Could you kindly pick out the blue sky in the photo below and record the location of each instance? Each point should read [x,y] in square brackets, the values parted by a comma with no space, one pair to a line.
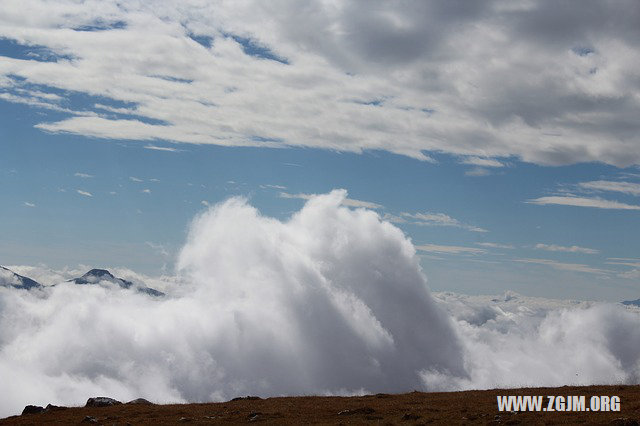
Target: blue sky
[511,163]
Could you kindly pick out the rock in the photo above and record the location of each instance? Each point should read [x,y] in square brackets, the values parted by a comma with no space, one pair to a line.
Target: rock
[184,419]
[246,398]
[140,401]
[102,401]
[51,407]
[89,419]
[32,409]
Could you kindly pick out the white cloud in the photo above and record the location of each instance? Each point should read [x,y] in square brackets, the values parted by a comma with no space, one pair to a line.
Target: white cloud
[135,179]
[482,162]
[146,191]
[332,300]
[434,248]
[583,202]
[439,219]
[570,249]
[280,187]
[410,78]
[85,193]
[162,148]
[83,175]
[573,267]
[328,301]
[496,245]
[28,204]
[346,202]
[515,341]
[393,218]
[612,186]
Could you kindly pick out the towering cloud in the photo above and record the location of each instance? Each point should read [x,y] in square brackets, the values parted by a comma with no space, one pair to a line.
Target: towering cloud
[332,300]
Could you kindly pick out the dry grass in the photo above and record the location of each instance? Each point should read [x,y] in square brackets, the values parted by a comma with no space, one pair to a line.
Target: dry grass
[469,407]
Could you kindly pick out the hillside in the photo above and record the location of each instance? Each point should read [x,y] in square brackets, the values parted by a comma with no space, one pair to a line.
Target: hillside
[468,407]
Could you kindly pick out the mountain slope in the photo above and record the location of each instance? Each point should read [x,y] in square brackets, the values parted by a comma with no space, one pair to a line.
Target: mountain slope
[8,278]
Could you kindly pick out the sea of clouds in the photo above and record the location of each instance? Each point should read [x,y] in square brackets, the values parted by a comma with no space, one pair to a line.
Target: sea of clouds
[330,301]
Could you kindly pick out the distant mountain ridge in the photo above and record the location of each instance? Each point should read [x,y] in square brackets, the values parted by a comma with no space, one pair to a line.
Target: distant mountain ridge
[8,278]
[632,302]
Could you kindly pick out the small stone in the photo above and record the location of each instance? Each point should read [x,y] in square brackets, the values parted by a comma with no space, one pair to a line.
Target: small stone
[89,419]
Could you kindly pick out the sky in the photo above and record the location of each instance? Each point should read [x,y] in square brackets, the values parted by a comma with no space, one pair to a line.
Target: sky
[500,137]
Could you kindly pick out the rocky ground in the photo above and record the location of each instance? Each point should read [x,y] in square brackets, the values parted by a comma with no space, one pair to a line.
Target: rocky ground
[469,407]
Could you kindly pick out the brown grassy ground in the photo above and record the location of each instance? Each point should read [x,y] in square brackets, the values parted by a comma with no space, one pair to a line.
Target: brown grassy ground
[469,407]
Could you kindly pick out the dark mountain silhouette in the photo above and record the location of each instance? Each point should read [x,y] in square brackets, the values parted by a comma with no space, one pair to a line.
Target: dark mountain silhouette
[632,302]
[8,278]
[96,276]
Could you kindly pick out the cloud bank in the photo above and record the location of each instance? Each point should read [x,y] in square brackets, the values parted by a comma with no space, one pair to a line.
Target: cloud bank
[330,301]
[542,82]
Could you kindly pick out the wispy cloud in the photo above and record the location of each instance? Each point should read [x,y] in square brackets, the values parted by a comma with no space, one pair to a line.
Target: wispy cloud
[439,219]
[482,162]
[569,249]
[162,148]
[135,179]
[624,261]
[435,248]
[269,186]
[346,202]
[85,193]
[27,204]
[393,218]
[159,248]
[146,191]
[612,186]
[598,203]
[477,172]
[83,175]
[574,267]
[496,245]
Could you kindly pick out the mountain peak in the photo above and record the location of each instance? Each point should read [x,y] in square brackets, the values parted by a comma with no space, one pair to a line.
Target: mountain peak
[95,276]
[99,273]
